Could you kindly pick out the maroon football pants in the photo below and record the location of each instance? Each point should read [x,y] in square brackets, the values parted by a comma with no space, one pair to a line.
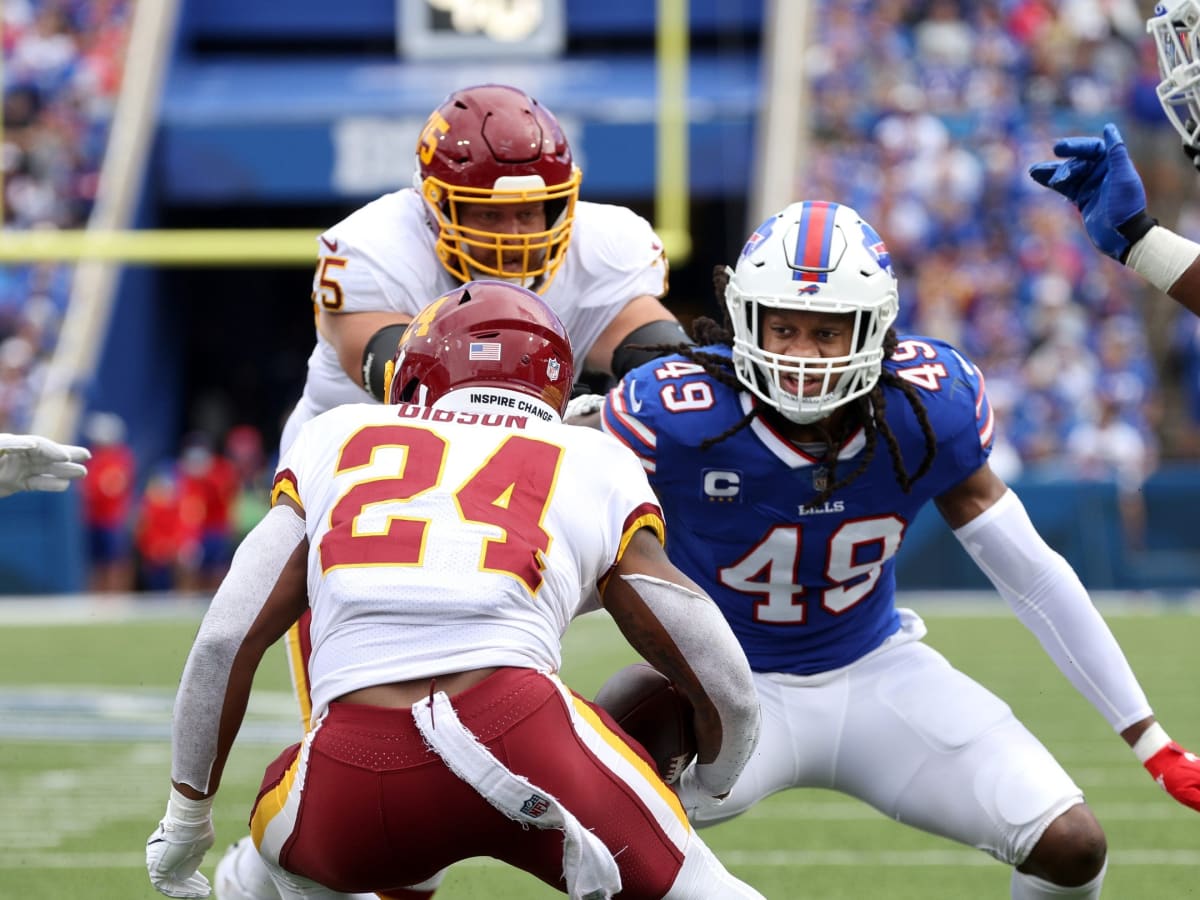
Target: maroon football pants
[380,810]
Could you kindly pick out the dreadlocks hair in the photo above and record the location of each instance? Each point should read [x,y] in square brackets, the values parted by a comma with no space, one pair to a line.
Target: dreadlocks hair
[869,411]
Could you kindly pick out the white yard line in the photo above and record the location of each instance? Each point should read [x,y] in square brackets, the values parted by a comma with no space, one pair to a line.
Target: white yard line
[78,609]
[100,609]
[43,809]
[106,609]
[68,714]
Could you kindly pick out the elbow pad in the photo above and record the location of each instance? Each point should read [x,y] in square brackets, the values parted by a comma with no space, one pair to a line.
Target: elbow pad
[1050,600]
[380,350]
[707,642]
[632,352]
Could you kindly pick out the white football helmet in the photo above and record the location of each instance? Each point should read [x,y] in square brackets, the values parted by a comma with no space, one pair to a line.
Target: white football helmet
[1175,27]
[821,257]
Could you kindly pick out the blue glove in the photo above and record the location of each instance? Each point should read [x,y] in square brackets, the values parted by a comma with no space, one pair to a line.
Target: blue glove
[1098,177]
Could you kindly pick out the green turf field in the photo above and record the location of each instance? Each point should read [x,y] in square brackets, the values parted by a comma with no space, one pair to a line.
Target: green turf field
[84,765]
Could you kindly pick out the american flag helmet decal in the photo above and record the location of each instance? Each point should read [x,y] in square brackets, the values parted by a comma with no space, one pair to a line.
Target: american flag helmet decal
[484,350]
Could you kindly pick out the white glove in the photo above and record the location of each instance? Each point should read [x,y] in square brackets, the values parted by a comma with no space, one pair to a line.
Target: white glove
[693,796]
[177,847]
[583,405]
[29,462]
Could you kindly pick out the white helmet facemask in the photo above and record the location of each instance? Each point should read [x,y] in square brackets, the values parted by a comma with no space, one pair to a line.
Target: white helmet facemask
[818,257]
[1175,27]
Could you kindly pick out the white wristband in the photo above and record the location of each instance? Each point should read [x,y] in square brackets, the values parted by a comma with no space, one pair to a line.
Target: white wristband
[1162,256]
[187,811]
[1152,740]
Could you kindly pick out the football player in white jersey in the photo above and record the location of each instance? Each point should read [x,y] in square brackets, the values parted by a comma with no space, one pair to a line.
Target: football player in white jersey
[495,195]
[1097,175]
[30,462]
[797,443]
[440,545]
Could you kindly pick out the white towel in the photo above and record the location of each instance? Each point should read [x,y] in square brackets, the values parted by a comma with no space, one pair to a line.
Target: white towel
[590,871]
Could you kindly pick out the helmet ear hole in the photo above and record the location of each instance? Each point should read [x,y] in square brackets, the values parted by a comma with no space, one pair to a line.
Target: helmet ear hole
[409,390]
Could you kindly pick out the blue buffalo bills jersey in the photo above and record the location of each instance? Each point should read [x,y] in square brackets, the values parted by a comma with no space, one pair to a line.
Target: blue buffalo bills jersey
[806,589]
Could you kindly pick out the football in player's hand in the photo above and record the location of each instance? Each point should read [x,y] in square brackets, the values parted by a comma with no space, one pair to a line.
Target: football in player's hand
[652,711]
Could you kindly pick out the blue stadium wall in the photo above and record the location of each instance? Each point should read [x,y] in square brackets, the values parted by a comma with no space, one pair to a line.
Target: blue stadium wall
[1080,520]
[272,125]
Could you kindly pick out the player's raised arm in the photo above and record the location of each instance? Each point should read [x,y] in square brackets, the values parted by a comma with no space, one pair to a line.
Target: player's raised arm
[1097,175]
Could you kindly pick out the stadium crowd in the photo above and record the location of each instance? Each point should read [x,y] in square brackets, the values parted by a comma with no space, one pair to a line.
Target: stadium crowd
[62,69]
[929,135]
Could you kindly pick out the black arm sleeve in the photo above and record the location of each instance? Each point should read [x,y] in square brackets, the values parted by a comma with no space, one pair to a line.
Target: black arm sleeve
[631,352]
[379,351]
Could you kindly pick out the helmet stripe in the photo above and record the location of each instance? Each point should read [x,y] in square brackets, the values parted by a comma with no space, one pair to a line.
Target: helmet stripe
[813,240]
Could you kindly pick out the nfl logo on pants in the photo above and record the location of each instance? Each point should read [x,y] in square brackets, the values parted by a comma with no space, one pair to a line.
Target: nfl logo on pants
[535,807]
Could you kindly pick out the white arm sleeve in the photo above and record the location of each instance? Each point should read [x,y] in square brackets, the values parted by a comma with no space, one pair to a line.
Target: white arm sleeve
[704,637]
[256,567]
[1051,601]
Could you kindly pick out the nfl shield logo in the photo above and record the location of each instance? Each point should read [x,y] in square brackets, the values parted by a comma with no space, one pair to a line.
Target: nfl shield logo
[552,370]
[536,806]
[820,476]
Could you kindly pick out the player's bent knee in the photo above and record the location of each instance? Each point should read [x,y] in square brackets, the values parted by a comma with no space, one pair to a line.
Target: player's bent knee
[1071,851]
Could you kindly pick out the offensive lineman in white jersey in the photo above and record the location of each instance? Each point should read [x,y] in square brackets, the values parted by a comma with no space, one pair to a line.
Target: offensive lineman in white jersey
[440,545]
[495,195]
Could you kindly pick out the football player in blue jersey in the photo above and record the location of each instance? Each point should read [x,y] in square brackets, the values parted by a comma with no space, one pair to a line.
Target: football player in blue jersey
[1096,174]
[791,448]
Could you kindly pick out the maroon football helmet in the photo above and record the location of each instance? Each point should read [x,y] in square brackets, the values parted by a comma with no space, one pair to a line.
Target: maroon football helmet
[484,334]
[495,145]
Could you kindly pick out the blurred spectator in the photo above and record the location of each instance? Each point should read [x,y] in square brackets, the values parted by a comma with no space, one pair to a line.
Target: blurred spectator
[108,494]
[16,372]
[1106,447]
[943,38]
[906,128]
[1186,358]
[161,538]
[244,448]
[208,486]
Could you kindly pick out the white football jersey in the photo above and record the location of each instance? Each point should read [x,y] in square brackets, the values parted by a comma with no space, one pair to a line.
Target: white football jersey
[382,258]
[454,537]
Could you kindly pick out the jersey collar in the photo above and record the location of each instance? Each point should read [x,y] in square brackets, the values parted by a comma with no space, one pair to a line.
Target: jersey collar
[787,452]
